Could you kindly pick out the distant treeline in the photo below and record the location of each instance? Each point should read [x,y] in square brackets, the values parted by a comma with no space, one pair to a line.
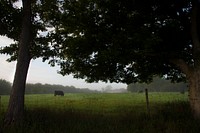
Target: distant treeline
[158,85]
[5,87]
[38,88]
[48,88]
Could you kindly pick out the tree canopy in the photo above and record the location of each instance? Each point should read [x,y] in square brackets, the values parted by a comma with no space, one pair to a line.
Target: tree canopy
[45,16]
[116,41]
[125,41]
[10,20]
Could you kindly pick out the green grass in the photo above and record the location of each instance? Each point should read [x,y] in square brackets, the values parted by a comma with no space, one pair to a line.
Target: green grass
[105,113]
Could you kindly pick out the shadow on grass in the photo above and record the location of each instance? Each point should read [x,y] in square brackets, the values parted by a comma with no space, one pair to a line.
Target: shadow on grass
[173,117]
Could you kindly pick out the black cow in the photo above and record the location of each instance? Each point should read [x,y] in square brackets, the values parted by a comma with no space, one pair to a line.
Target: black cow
[59,93]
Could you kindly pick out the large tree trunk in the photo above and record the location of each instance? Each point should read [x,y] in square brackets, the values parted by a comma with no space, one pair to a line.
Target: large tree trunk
[16,103]
[194,78]
[192,71]
[194,93]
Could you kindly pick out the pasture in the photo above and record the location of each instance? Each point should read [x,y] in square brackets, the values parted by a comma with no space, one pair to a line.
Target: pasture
[104,113]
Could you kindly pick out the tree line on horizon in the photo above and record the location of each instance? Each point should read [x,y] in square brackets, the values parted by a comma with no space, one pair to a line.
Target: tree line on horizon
[38,88]
[158,85]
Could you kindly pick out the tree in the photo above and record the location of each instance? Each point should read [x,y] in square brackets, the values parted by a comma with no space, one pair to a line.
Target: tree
[16,102]
[5,87]
[28,22]
[129,41]
[158,85]
[107,88]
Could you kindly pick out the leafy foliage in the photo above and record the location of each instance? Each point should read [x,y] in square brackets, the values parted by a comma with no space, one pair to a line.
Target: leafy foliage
[44,14]
[124,41]
[116,41]
[10,20]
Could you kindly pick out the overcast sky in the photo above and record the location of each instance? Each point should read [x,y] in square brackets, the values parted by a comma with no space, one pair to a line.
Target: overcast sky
[41,72]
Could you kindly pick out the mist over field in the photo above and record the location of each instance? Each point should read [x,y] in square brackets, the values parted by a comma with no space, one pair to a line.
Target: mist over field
[157,85]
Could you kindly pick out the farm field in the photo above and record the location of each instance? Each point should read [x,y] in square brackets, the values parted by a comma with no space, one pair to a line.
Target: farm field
[104,113]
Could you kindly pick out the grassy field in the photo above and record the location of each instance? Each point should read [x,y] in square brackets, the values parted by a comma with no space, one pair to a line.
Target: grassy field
[104,113]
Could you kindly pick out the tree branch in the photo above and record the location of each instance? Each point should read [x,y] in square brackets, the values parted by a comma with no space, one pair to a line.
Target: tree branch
[185,68]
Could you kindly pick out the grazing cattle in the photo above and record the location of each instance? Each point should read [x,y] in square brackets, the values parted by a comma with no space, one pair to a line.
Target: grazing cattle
[59,93]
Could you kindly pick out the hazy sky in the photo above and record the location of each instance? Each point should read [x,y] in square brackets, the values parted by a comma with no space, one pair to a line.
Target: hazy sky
[41,72]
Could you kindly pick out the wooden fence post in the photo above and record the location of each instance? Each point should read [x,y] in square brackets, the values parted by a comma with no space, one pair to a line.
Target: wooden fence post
[0,103]
[147,101]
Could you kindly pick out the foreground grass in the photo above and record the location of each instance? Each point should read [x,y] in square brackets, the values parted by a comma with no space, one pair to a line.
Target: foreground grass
[105,113]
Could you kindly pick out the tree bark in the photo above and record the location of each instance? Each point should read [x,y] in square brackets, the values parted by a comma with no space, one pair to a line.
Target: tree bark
[194,93]
[15,109]
[194,79]
[193,71]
